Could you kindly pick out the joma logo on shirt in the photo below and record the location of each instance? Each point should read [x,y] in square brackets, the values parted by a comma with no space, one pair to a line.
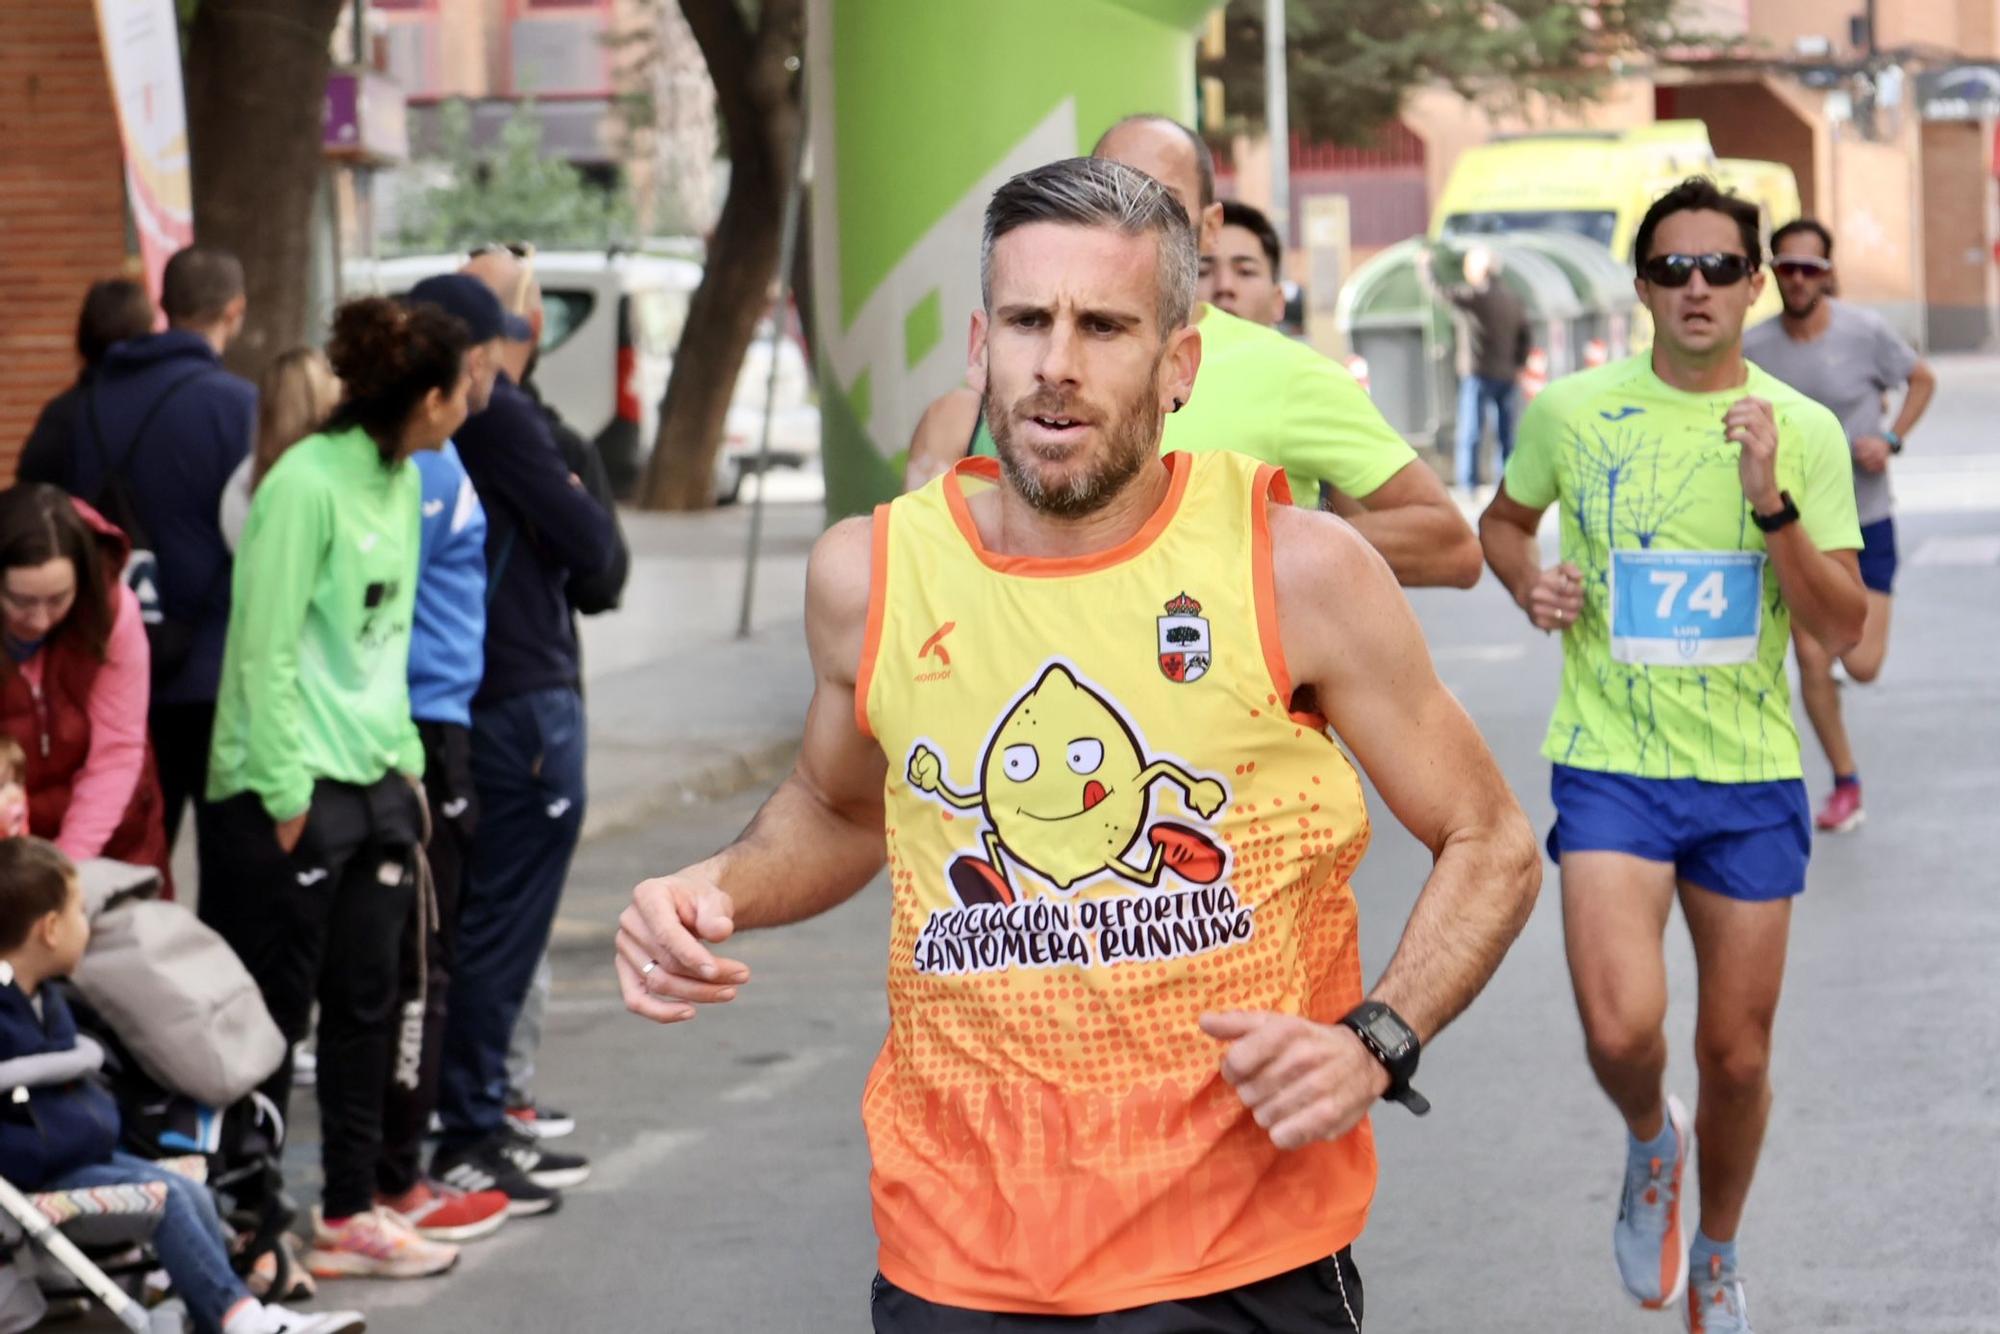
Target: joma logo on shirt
[934,648]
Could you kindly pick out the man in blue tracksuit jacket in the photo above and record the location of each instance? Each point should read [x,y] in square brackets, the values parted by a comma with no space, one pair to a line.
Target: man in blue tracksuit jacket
[527,756]
[165,412]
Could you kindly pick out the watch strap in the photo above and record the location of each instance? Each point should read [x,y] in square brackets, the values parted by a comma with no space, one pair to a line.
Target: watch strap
[1788,513]
[1401,1066]
[1895,441]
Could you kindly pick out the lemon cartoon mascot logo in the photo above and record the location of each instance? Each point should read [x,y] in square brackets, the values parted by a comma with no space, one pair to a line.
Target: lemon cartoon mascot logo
[1065,790]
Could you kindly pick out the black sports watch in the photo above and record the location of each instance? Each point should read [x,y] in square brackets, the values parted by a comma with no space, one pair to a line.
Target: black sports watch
[1771,523]
[1895,441]
[1393,1043]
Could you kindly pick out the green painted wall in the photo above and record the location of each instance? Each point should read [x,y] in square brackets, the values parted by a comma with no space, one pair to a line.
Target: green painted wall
[916,104]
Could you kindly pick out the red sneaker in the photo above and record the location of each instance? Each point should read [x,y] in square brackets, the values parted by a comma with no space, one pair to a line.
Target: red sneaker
[1842,813]
[439,1213]
[1192,856]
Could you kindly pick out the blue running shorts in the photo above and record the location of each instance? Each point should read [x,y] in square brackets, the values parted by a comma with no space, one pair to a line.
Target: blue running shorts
[1878,555]
[1748,841]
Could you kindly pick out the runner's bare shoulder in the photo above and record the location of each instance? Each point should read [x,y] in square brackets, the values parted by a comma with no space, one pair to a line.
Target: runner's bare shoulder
[837,584]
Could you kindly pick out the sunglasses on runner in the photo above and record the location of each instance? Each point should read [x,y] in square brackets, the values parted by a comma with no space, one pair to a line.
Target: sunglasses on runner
[1717,270]
[1801,266]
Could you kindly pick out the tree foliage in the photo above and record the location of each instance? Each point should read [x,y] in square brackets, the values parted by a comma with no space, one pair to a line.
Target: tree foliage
[1350,62]
[512,192]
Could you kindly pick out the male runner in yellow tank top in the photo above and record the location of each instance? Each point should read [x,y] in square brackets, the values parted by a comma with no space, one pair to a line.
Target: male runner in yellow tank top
[1264,395]
[1077,697]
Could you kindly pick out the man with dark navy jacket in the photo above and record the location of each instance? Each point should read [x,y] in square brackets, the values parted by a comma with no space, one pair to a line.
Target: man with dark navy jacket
[543,528]
[165,415]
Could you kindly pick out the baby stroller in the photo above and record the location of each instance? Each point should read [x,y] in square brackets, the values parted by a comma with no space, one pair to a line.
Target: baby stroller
[186,1042]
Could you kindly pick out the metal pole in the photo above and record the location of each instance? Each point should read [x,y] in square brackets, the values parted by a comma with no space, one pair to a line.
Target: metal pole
[1277,118]
[788,242]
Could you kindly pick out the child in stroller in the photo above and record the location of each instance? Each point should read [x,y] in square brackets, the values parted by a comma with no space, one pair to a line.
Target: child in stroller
[64,1133]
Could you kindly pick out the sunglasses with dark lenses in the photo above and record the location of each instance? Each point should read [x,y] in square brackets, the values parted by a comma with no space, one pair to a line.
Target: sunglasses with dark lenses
[1717,270]
[1800,266]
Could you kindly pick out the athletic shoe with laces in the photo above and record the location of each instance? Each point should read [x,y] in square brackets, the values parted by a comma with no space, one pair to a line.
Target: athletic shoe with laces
[543,1122]
[543,1166]
[482,1167]
[444,1213]
[374,1244]
[278,1320]
[1652,1252]
[1715,1301]
[1842,813]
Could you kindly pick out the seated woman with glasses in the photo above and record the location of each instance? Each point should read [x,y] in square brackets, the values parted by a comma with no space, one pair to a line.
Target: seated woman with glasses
[76,678]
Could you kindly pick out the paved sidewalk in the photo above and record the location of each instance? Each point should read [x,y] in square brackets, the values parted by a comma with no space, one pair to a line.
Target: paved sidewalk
[680,709]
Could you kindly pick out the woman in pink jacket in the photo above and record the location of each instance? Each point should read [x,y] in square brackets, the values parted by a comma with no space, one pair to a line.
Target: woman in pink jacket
[75,679]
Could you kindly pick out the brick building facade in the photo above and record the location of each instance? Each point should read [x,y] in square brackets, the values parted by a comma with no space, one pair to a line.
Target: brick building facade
[62,199]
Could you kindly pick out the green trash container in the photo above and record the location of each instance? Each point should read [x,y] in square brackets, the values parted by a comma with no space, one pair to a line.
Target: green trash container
[1602,331]
[1400,340]
[1406,340]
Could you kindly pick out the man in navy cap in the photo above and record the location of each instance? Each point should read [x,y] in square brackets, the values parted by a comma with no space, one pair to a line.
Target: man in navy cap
[492,326]
[527,759]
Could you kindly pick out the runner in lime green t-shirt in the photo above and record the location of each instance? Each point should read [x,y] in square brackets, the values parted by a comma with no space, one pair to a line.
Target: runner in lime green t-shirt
[1262,394]
[1705,508]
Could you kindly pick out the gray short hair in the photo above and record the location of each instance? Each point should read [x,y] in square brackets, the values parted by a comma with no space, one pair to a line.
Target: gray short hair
[1095,192]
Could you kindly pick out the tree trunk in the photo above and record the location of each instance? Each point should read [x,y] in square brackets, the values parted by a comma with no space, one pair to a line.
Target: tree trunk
[256,79]
[757,91]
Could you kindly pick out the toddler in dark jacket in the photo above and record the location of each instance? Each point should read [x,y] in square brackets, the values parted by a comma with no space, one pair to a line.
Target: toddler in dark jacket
[59,1125]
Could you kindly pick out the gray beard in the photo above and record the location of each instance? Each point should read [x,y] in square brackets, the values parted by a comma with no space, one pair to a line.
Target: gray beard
[1134,439]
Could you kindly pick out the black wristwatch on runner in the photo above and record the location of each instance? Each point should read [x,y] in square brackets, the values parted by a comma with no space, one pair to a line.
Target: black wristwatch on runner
[1393,1043]
[1771,523]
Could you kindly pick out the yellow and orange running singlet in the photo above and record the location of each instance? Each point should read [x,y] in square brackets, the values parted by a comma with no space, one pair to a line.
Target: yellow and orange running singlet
[1103,821]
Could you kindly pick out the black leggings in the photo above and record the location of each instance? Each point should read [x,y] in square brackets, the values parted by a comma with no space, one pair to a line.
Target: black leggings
[326,922]
[413,1078]
[1320,1298]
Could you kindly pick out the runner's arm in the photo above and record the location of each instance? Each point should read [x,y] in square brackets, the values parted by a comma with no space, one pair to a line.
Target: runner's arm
[815,843]
[1552,597]
[943,436]
[1412,521]
[1814,558]
[1333,431]
[1923,385]
[1371,675]
[1823,588]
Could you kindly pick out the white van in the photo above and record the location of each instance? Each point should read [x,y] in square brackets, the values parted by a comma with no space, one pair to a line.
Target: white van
[611,323]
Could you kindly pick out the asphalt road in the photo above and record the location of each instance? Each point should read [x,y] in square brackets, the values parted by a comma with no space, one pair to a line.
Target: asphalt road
[730,1185]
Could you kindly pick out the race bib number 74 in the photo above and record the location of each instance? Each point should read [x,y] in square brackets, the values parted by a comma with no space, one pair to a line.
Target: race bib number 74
[1685,608]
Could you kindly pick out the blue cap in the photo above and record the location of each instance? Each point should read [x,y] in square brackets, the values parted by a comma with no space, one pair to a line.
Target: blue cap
[473,301]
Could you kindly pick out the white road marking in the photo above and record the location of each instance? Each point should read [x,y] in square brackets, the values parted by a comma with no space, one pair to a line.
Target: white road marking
[1978,550]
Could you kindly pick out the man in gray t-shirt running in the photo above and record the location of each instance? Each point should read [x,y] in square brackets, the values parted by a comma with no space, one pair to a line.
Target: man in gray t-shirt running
[1848,359]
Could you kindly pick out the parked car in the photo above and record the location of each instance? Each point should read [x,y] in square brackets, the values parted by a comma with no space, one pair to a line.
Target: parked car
[611,324]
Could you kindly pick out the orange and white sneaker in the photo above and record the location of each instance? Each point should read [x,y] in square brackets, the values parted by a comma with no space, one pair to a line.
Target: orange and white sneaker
[1652,1250]
[438,1212]
[1716,1304]
[375,1244]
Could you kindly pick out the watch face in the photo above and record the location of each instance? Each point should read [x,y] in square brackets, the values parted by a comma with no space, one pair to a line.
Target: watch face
[1387,1034]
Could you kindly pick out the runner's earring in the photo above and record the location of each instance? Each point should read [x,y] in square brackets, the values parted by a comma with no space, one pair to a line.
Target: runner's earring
[1177,405]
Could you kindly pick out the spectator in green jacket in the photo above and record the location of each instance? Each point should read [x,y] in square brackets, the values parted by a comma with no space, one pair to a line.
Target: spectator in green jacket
[316,762]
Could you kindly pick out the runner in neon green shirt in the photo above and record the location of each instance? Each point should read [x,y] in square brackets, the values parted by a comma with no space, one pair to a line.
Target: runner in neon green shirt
[1642,470]
[1268,396]
[1705,508]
